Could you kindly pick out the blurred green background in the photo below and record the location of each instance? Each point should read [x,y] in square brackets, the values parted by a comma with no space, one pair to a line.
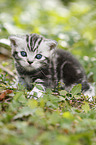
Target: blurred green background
[53,119]
[71,22]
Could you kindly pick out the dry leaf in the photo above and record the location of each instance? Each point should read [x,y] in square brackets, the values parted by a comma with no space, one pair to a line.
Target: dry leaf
[4,94]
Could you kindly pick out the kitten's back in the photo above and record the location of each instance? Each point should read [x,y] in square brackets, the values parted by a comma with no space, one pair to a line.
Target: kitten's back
[70,70]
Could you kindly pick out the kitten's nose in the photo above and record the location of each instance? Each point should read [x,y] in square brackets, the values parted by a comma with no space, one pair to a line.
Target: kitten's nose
[29,61]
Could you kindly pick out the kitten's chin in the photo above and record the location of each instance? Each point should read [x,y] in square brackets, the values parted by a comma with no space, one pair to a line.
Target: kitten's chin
[29,68]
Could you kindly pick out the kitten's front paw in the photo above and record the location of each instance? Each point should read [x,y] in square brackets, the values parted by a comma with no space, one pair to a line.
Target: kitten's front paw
[35,93]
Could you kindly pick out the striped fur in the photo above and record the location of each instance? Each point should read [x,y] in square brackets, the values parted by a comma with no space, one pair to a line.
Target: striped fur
[33,41]
[55,66]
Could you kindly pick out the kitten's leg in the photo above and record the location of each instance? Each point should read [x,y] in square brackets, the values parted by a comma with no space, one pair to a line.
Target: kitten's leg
[19,80]
[36,90]
[15,84]
[90,92]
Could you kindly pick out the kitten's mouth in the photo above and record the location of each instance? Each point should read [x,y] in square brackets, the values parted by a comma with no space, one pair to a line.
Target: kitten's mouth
[29,66]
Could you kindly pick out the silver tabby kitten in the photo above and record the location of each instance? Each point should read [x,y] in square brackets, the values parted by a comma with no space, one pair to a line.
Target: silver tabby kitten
[38,61]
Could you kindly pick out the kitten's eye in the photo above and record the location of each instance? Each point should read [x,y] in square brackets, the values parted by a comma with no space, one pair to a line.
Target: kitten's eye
[38,56]
[23,53]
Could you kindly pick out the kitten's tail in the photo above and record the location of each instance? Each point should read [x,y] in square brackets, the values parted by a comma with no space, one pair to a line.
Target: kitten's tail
[90,92]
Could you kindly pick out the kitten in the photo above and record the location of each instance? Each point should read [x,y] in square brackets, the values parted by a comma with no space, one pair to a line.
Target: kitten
[38,61]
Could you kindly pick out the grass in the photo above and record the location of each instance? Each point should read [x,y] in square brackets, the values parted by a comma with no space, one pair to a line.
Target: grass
[63,118]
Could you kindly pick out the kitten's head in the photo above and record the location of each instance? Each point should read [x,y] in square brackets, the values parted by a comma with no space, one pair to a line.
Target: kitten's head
[32,51]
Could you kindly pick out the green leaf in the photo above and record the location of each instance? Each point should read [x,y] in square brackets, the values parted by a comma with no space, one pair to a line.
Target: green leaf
[32,103]
[42,102]
[76,89]
[39,87]
[39,112]
[26,111]
[63,92]
[18,95]
[67,115]
[86,107]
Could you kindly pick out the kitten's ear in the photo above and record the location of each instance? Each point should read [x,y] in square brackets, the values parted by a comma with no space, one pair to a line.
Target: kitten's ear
[51,43]
[14,40]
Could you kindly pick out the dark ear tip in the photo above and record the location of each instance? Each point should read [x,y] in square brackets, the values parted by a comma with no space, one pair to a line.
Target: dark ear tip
[12,40]
[53,44]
